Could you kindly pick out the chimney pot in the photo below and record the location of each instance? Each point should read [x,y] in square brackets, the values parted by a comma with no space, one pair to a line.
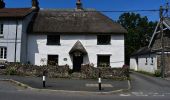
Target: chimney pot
[79,5]
[2,4]
[35,4]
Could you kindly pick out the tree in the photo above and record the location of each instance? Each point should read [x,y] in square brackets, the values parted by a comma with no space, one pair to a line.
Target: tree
[139,33]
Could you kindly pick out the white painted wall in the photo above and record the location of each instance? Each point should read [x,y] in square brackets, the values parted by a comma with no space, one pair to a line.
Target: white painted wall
[8,38]
[37,49]
[133,64]
[24,37]
[9,35]
[149,67]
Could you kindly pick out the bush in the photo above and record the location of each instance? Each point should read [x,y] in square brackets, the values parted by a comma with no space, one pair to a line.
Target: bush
[158,73]
[11,71]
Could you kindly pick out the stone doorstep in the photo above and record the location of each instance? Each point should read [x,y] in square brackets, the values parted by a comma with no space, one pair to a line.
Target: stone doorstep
[97,85]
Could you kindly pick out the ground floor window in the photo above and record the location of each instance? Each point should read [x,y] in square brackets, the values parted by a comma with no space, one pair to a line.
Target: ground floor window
[103,60]
[3,53]
[52,59]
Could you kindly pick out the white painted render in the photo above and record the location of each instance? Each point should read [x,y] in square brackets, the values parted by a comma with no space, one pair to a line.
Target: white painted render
[133,64]
[38,50]
[143,65]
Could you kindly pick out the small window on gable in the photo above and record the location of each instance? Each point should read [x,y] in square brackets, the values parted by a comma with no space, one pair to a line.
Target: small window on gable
[53,60]
[53,40]
[103,60]
[103,39]
[151,60]
[1,28]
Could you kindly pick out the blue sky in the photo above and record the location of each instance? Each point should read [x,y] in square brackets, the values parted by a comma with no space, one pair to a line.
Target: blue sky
[99,5]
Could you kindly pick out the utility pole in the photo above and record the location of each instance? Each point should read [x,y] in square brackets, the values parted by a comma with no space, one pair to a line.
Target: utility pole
[162,44]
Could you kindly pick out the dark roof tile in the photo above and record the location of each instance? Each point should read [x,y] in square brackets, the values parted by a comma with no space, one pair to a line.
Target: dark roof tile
[14,12]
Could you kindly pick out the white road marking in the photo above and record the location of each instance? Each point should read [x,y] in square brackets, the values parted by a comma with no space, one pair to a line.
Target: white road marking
[124,95]
[96,85]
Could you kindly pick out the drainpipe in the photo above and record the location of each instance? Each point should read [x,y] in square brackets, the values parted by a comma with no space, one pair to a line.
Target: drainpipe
[16,41]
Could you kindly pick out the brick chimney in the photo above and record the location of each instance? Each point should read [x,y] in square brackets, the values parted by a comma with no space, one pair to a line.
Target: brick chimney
[79,5]
[2,4]
[35,4]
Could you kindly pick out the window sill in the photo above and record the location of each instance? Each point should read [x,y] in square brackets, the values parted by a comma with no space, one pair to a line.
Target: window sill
[53,44]
[1,36]
[103,44]
[3,60]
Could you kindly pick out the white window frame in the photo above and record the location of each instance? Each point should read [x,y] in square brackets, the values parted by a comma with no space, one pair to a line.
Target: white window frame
[3,54]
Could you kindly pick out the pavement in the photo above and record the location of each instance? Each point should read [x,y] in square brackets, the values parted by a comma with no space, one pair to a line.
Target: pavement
[70,84]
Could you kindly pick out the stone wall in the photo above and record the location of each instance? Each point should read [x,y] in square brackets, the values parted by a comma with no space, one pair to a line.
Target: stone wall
[87,71]
[32,70]
[106,73]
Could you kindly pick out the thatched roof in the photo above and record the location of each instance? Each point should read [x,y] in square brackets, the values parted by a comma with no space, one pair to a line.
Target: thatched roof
[78,47]
[14,12]
[72,21]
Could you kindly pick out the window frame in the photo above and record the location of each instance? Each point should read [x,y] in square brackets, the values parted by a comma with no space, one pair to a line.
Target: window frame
[4,53]
[98,62]
[56,39]
[106,43]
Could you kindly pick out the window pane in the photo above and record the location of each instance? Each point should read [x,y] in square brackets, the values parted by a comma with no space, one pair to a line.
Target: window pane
[1,29]
[103,39]
[53,59]
[5,53]
[1,53]
[103,61]
[53,40]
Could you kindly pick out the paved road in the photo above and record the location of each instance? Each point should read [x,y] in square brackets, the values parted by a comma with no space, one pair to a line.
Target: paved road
[143,88]
[143,85]
[30,95]
[70,84]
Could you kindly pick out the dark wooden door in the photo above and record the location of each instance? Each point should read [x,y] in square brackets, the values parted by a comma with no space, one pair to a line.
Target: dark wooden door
[77,61]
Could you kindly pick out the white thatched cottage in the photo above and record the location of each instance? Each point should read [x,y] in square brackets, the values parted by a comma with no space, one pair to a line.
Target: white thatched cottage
[74,37]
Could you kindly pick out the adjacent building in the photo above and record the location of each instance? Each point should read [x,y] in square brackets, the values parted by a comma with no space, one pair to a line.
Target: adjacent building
[149,58]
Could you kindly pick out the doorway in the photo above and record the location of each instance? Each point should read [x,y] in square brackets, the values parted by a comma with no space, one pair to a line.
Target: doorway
[77,62]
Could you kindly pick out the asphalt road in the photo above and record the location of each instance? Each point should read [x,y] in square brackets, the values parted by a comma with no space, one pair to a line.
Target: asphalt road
[143,88]
[143,85]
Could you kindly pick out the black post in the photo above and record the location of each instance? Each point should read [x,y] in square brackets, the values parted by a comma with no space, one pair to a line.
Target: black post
[44,73]
[99,80]
[162,44]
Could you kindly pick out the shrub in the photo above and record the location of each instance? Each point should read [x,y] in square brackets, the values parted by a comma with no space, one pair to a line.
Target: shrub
[11,71]
[158,73]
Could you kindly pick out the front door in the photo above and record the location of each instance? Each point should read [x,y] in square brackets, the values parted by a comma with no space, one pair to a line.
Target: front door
[77,61]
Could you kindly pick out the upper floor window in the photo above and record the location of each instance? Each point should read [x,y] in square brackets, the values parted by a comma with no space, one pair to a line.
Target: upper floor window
[3,52]
[103,39]
[53,40]
[1,28]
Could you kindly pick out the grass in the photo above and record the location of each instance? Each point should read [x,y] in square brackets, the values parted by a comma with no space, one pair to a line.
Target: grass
[146,73]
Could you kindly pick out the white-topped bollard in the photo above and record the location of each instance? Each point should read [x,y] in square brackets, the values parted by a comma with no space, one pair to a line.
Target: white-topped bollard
[100,81]
[44,72]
